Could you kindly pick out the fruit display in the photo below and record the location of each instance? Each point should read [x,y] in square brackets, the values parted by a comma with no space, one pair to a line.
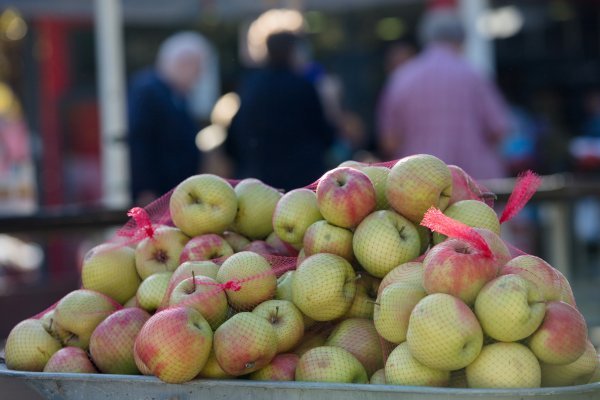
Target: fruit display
[393,273]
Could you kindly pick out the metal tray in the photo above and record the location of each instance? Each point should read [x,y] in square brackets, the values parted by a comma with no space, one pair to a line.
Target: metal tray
[103,386]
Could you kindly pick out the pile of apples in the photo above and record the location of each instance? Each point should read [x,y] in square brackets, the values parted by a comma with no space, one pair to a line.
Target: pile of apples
[379,275]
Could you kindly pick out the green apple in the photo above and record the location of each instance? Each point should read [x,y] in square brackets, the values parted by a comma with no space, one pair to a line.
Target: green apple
[281,368]
[509,308]
[401,368]
[549,280]
[80,312]
[410,272]
[185,271]
[385,240]
[473,213]
[255,276]
[393,309]
[205,296]
[161,252]
[205,247]
[284,286]
[378,378]
[174,344]
[203,204]
[352,164]
[562,336]
[70,360]
[323,237]
[245,343]
[132,302]
[378,176]
[330,364]
[504,365]
[236,241]
[286,319]
[443,333]
[29,346]
[256,204]
[294,213]
[153,290]
[110,269]
[324,286]
[111,344]
[578,372]
[359,337]
[212,369]
[416,183]
[364,299]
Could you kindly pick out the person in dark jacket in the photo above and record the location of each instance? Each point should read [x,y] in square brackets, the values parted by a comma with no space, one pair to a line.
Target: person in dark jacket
[162,130]
[280,134]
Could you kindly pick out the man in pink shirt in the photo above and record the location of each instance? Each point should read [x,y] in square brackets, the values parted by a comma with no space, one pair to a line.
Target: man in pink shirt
[438,104]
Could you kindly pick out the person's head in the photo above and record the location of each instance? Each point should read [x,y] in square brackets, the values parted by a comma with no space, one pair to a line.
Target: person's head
[282,49]
[442,26]
[179,59]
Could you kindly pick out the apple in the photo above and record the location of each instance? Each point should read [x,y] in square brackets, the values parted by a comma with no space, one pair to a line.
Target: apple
[364,299]
[345,196]
[416,183]
[143,368]
[70,360]
[245,343]
[456,267]
[393,309]
[281,368]
[301,257]
[153,290]
[80,312]
[562,336]
[324,286]
[161,252]
[110,269]
[385,240]
[409,272]
[509,308]
[464,187]
[284,286]
[548,279]
[323,237]
[473,213]
[359,337]
[131,303]
[401,368]
[186,270]
[111,344]
[378,176]
[203,204]
[205,247]
[294,213]
[29,346]
[256,204]
[261,247]
[51,326]
[283,248]
[236,241]
[330,364]
[175,344]
[578,372]
[504,365]
[205,296]
[352,164]
[286,319]
[255,276]
[425,237]
[596,375]
[314,337]
[212,369]
[378,378]
[443,333]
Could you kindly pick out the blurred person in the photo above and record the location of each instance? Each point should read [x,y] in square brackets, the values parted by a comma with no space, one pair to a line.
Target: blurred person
[280,134]
[162,130]
[438,104]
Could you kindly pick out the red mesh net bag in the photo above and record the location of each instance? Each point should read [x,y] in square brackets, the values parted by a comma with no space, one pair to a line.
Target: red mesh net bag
[390,273]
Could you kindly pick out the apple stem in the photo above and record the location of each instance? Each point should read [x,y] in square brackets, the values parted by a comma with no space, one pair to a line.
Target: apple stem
[275,318]
[250,364]
[357,277]
[69,338]
[372,302]
[194,280]
[50,324]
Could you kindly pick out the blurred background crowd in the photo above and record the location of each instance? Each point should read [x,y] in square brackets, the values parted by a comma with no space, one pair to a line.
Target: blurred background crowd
[108,104]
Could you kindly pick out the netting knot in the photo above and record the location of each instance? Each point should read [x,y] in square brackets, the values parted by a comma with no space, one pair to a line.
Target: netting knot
[231,285]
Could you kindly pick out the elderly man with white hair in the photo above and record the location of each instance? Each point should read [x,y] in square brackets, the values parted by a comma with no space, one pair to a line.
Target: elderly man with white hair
[161,128]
